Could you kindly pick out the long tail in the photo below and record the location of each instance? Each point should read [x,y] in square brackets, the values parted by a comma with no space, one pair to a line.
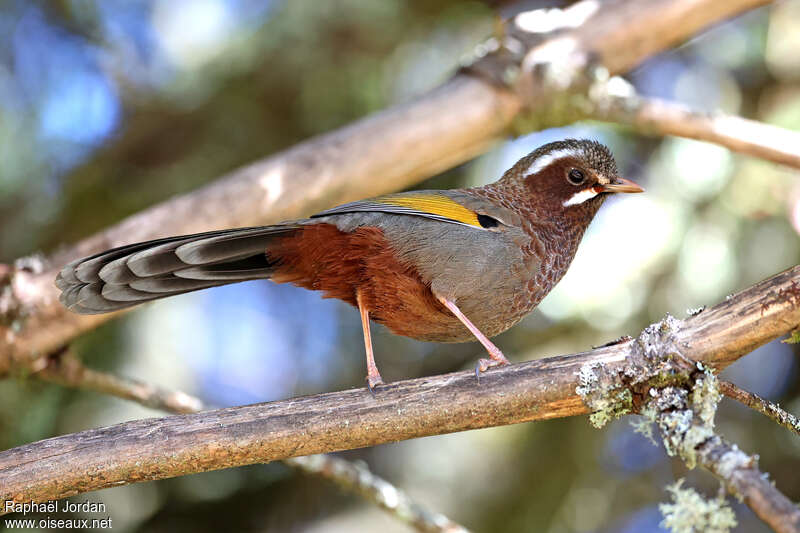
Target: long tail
[136,273]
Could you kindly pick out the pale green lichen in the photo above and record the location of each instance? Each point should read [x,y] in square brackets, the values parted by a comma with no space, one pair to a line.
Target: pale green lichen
[681,433]
[610,407]
[696,436]
[643,425]
[706,395]
[686,418]
[681,436]
[670,406]
[794,337]
[607,402]
[690,512]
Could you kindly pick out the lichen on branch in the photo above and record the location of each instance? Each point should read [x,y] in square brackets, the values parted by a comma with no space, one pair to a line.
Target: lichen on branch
[690,512]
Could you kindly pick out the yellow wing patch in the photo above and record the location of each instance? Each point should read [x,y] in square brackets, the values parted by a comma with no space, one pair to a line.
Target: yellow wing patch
[433,204]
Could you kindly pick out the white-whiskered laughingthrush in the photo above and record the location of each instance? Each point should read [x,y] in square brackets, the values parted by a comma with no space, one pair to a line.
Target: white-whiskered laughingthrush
[443,266]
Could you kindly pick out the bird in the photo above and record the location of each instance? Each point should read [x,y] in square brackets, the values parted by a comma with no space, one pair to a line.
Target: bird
[436,265]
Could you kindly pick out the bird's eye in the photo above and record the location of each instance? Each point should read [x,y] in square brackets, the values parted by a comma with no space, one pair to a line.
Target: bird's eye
[576,176]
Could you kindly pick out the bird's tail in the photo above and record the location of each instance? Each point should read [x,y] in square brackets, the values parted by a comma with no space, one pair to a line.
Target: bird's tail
[136,273]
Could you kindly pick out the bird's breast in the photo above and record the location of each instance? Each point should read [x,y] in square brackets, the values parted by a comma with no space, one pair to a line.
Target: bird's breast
[486,273]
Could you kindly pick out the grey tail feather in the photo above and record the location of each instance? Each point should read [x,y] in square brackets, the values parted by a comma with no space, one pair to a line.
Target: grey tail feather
[137,273]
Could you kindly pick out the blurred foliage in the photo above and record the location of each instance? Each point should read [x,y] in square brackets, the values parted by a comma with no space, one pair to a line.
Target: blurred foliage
[109,107]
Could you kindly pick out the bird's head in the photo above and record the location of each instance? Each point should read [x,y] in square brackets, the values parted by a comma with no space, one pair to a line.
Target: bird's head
[570,178]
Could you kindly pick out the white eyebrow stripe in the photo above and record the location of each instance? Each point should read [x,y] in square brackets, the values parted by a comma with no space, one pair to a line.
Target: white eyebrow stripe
[581,196]
[545,160]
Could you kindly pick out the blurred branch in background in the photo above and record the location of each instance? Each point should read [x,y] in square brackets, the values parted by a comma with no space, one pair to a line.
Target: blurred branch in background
[441,129]
[67,370]
[357,477]
[611,381]
[651,116]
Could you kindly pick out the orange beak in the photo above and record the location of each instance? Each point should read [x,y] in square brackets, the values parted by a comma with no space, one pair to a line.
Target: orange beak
[622,185]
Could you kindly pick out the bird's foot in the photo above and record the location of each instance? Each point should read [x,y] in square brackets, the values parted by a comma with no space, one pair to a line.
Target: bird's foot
[373,380]
[485,364]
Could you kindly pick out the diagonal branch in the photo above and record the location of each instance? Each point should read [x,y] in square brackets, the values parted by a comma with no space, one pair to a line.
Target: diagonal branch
[661,117]
[742,477]
[356,477]
[159,448]
[686,423]
[755,402]
[67,370]
[442,128]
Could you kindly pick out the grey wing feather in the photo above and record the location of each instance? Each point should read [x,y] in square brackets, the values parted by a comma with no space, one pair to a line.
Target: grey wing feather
[136,273]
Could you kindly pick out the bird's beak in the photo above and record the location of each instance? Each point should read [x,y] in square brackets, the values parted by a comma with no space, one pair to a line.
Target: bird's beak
[622,185]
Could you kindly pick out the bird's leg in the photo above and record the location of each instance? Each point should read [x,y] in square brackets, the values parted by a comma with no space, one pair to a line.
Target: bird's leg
[496,356]
[373,376]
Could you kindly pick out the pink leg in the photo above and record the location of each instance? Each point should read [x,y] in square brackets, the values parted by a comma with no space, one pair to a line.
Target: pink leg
[373,376]
[496,356]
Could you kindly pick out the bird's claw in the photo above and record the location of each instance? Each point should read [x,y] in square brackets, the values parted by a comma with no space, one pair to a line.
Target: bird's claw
[485,364]
[372,382]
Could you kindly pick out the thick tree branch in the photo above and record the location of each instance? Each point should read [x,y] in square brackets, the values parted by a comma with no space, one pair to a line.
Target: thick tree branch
[160,448]
[442,128]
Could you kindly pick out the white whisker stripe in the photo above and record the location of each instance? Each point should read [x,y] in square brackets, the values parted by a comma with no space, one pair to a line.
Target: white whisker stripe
[544,161]
[581,196]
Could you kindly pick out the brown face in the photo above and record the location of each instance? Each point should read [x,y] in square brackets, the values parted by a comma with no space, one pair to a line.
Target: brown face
[573,177]
[566,182]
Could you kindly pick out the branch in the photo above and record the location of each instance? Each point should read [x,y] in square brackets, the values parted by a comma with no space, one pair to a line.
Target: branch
[65,369]
[442,128]
[756,403]
[744,480]
[159,448]
[686,425]
[660,117]
[356,477]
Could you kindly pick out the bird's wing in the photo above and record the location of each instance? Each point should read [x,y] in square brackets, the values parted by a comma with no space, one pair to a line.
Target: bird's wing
[128,275]
[445,206]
